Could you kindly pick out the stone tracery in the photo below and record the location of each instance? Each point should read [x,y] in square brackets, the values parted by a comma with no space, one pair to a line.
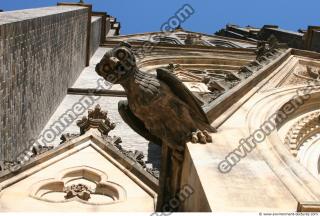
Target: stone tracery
[73,185]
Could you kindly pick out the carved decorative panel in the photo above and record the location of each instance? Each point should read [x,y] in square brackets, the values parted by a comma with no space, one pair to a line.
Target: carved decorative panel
[300,72]
[83,184]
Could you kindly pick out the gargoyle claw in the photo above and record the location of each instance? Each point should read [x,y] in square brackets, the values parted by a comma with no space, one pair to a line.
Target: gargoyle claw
[201,137]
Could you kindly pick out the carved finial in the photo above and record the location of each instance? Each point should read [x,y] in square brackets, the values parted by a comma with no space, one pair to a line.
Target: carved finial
[97,119]
[97,113]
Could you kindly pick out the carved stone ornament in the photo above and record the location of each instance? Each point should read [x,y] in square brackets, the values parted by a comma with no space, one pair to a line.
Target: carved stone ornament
[314,73]
[12,165]
[154,172]
[265,53]
[217,82]
[80,184]
[303,75]
[302,130]
[77,190]
[67,137]
[262,49]
[96,119]
[40,150]
[193,39]
[6,165]
[160,108]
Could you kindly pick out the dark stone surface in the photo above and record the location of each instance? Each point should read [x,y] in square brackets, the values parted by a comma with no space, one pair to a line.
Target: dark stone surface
[315,45]
[301,39]
[293,39]
[312,41]
[43,54]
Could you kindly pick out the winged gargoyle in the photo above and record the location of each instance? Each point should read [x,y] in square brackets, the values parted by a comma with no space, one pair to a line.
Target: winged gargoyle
[159,107]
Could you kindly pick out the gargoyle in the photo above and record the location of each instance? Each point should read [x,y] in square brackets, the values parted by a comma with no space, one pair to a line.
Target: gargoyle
[159,107]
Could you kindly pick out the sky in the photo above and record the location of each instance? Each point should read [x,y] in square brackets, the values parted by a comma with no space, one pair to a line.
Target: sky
[138,16]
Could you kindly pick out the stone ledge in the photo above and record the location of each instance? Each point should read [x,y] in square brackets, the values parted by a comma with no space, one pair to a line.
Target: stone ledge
[308,207]
[21,15]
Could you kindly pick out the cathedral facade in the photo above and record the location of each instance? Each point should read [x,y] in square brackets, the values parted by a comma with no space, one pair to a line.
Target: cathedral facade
[65,147]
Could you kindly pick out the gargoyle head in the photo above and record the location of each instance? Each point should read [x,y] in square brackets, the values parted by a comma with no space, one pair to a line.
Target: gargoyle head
[117,64]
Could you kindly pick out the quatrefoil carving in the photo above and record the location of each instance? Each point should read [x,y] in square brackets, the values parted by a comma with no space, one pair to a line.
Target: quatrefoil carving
[83,184]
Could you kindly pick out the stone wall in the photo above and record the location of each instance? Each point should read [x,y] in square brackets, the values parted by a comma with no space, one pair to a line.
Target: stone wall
[42,51]
[293,39]
[313,38]
[95,37]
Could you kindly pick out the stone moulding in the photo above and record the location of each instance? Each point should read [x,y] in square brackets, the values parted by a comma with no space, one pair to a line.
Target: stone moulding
[103,187]
[7,166]
[97,119]
[218,106]
[131,168]
[301,131]
[115,40]
[308,207]
[296,178]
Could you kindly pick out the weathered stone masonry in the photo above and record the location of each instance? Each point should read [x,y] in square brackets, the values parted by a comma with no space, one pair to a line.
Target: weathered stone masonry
[42,52]
[95,36]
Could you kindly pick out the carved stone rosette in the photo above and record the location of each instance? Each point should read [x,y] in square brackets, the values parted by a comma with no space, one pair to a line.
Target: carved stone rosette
[80,190]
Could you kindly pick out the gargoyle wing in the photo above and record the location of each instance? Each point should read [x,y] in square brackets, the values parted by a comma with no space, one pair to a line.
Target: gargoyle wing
[179,89]
[135,123]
